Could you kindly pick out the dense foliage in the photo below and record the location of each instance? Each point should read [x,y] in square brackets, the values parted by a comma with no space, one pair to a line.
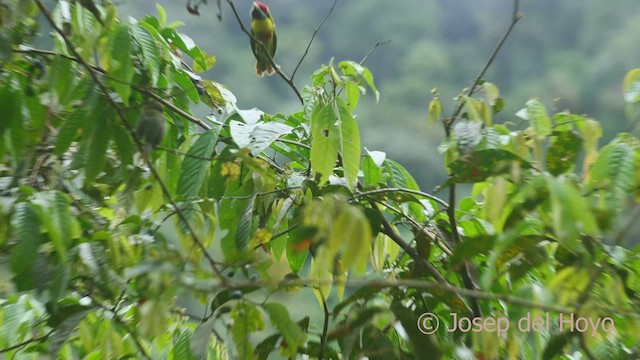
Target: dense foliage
[197,250]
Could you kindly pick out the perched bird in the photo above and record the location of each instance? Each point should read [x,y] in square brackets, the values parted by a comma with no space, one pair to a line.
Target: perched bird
[151,127]
[263,28]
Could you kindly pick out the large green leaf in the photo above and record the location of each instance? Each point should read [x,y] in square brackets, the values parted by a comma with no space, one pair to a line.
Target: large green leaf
[245,225]
[120,66]
[194,166]
[27,228]
[325,141]
[97,144]
[615,170]
[290,331]
[563,151]
[246,319]
[536,113]
[481,164]
[69,130]
[149,48]
[631,86]
[349,143]
[201,338]
[568,214]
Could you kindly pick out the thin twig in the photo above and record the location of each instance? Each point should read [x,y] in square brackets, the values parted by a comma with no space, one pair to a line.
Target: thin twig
[388,230]
[125,121]
[427,285]
[27,342]
[279,71]
[325,327]
[403,190]
[634,123]
[435,239]
[377,45]
[306,51]
[517,15]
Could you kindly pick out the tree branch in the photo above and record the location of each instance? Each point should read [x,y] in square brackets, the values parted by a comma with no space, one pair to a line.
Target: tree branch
[377,45]
[27,342]
[517,15]
[403,190]
[306,51]
[325,327]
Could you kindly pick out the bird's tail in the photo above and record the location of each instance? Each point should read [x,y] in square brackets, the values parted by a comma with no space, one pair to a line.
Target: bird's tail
[264,68]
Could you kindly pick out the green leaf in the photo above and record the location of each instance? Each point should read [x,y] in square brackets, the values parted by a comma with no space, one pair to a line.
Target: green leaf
[17,125]
[569,215]
[120,66]
[481,164]
[186,84]
[399,176]
[264,348]
[291,332]
[349,143]
[536,113]
[563,151]
[372,164]
[69,130]
[194,166]
[245,225]
[246,319]
[181,348]
[351,232]
[162,15]
[555,345]
[199,341]
[64,330]
[424,346]
[61,80]
[10,106]
[27,228]
[435,110]
[363,72]
[615,169]
[468,135]
[325,141]
[491,93]
[149,48]
[631,86]
[97,143]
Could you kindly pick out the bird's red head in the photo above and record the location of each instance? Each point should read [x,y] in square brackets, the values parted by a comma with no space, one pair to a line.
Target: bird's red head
[260,10]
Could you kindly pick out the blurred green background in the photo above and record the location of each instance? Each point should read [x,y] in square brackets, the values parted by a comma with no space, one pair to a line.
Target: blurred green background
[573,55]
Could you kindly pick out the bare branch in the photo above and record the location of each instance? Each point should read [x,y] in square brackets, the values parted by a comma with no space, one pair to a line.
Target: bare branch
[306,51]
[377,45]
[325,327]
[27,342]
[517,15]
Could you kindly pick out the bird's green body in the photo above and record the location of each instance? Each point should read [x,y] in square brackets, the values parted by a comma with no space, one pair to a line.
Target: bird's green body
[263,29]
[151,127]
